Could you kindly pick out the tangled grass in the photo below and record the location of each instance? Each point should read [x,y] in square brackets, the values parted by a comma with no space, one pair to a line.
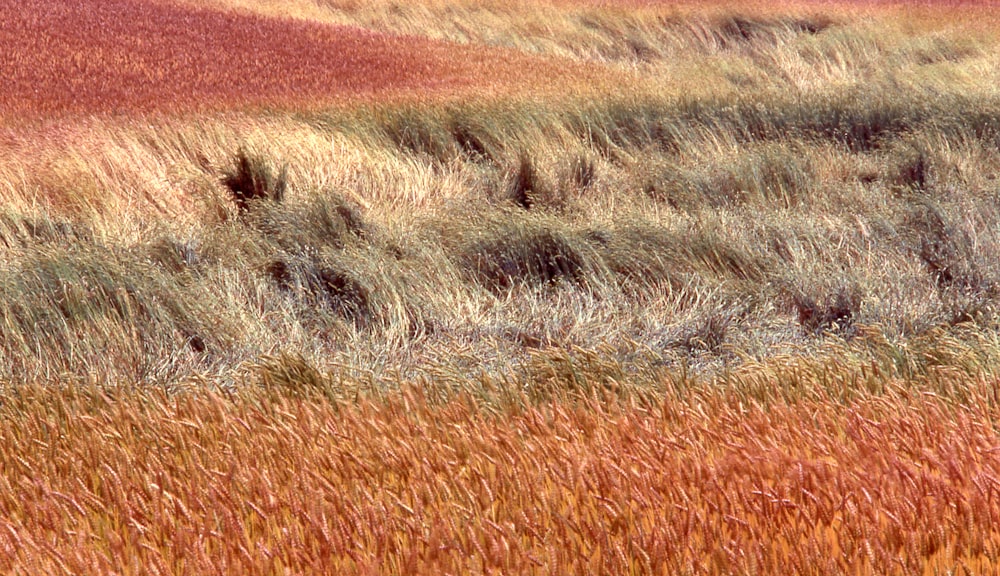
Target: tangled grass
[696,288]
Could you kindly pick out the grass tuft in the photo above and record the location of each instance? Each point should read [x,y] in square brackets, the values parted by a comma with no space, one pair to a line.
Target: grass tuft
[526,187]
[252,179]
[836,312]
[947,251]
[516,252]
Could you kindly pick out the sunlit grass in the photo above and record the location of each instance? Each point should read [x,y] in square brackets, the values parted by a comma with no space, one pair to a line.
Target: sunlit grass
[322,473]
[541,287]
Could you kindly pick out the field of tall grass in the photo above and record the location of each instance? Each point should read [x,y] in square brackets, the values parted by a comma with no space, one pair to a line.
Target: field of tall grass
[456,286]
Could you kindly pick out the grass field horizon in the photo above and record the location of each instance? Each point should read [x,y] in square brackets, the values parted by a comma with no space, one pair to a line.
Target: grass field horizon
[457,286]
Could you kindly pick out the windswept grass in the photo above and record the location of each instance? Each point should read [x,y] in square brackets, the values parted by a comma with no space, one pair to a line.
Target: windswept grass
[801,465]
[608,221]
[100,57]
[542,286]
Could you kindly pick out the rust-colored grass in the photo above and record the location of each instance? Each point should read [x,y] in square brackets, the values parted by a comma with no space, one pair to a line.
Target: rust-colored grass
[98,56]
[704,482]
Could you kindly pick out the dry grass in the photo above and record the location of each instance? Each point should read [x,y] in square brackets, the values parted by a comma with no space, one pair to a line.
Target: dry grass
[559,287]
[314,474]
[124,56]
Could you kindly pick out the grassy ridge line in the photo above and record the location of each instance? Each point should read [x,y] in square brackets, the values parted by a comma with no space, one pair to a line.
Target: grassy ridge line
[699,480]
[627,31]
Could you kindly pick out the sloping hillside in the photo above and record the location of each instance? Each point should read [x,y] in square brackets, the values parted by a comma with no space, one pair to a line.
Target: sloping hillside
[88,56]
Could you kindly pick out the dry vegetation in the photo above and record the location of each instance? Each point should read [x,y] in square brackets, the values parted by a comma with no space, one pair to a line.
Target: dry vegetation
[541,286]
[798,466]
[121,56]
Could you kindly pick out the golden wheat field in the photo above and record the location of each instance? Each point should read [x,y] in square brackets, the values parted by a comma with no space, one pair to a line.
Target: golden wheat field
[499,287]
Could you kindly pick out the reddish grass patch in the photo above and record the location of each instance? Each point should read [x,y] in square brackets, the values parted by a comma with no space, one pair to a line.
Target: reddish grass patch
[93,56]
[902,483]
